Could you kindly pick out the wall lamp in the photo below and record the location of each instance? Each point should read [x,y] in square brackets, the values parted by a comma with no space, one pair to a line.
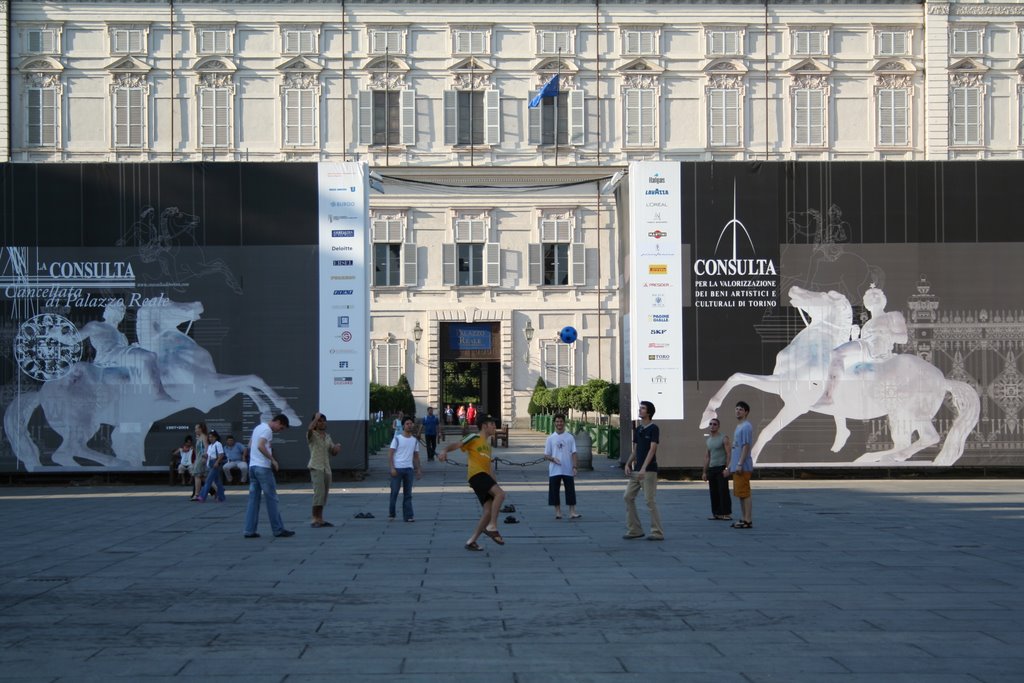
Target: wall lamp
[417,331]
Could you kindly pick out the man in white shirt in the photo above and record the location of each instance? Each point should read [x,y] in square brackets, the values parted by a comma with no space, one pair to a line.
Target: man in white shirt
[262,466]
[405,459]
[560,452]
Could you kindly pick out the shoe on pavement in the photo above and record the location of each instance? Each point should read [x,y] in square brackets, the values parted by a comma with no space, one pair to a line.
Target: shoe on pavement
[285,534]
[252,535]
[630,537]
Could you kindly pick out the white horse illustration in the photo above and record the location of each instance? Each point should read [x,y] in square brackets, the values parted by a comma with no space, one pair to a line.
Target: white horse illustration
[89,396]
[905,388]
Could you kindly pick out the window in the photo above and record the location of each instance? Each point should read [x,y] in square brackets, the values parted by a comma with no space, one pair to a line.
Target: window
[387,117]
[724,117]
[564,116]
[471,117]
[386,41]
[210,41]
[387,362]
[41,41]
[809,42]
[129,112]
[967,41]
[214,117]
[557,261]
[891,43]
[640,116]
[394,260]
[639,41]
[809,117]
[892,117]
[556,364]
[299,116]
[299,41]
[469,41]
[471,260]
[724,43]
[127,41]
[553,42]
[966,116]
[42,117]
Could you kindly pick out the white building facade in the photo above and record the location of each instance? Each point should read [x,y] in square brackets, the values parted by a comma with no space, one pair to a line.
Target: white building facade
[492,211]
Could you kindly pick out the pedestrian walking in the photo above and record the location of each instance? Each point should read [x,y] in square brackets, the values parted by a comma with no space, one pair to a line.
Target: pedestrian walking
[560,452]
[430,425]
[321,448]
[741,465]
[262,483]
[646,438]
[716,459]
[404,455]
[215,459]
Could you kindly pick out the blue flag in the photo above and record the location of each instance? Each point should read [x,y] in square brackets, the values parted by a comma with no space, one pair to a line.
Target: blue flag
[550,89]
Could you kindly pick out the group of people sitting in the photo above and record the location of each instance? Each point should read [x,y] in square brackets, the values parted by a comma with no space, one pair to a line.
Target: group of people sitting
[208,463]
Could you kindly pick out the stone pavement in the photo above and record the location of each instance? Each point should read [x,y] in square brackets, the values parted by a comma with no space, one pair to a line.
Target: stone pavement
[838,582]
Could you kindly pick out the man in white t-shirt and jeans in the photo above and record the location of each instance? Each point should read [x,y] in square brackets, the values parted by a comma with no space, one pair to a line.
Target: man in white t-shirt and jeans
[560,452]
[405,460]
[262,466]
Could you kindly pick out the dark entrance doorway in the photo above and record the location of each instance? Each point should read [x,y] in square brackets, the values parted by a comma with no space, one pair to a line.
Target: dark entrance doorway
[471,367]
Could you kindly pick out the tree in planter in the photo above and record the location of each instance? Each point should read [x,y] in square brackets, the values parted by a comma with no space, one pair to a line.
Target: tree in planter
[606,401]
[536,406]
[571,399]
[589,392]
[403,396]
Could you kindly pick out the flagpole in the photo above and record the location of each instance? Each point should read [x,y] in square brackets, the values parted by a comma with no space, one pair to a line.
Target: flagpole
[558,75]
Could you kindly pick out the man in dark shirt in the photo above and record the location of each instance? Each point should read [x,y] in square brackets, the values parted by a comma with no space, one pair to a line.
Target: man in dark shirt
[430,424]
[644,453]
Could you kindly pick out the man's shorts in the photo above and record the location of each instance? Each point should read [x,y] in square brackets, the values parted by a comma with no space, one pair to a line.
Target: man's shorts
[741,484]
[482,483]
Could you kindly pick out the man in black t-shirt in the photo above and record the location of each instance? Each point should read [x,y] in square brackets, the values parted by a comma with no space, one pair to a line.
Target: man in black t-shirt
[644,452]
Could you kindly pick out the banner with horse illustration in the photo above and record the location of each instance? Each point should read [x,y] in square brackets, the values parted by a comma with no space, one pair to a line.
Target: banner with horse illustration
[141,299]
[869,313]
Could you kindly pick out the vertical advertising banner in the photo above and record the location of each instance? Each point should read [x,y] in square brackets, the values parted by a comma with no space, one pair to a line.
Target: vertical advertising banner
[656,290]
[344,290]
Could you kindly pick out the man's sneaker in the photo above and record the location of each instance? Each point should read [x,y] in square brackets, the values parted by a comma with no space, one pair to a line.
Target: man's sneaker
[252,535]
[285,534]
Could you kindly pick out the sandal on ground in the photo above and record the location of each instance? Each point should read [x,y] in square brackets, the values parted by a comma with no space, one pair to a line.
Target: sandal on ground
[495,536]
[742,525]
[508,508]
[511,520]
[474,547]
[576,516]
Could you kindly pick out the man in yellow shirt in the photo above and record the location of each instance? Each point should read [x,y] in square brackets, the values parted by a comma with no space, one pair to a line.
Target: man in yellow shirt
[480,473]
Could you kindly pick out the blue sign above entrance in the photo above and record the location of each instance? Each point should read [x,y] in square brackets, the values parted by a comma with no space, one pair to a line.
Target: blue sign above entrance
[469,337]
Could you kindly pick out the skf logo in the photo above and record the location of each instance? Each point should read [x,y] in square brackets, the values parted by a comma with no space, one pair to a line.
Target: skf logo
[658,269]
[659,331]
[657,234]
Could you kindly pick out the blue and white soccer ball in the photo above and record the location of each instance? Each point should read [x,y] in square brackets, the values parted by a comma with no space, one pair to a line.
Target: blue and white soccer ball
[568,334]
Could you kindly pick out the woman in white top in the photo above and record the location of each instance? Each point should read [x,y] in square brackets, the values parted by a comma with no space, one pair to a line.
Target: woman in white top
[199,462]
[215,457]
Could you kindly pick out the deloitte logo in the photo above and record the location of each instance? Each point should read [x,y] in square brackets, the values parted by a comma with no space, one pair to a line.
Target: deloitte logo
[734,265]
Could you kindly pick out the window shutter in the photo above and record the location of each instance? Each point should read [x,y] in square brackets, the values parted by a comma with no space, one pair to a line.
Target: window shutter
[307,122]
[577,118]
[885,117]
[632,117]
[899,117]
[206,133]
[534,269]
[365,108]
[291,42]
[535,119]
[409,272]
[578,261]
[222,96]
[448,264]
[631,40]
[817,117]
[974,42]
[408,115]
[732,116]
[135,117]
[120,117]
[646,42]
[492,117]
[647,116]
[451,117]
[492,258]
[34,116]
